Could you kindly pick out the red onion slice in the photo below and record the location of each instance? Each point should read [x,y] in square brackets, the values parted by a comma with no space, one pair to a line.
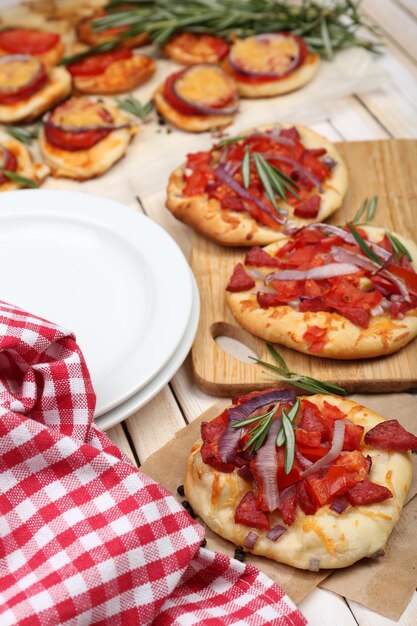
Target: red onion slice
[333,453]
[339,505]
[303,461]
[267,466]
[37,70]
[314,564]
[319,273]
[266,38]
[383,254]
[245,473]
[250,540]
[225,177]
[206,109]
[229,441]
[276,532]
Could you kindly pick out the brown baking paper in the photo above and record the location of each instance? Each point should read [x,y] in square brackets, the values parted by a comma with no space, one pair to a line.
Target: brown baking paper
[167,466]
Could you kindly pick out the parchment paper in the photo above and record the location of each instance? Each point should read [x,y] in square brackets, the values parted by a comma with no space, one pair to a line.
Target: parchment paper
[366,582]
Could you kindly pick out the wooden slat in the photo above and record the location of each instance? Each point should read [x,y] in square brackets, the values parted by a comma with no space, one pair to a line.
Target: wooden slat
[118,436]
[372,167]
[323,607]
[354,122]
[396,21]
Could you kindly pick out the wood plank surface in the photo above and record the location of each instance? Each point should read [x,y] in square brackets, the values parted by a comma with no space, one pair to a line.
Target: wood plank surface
[382,168]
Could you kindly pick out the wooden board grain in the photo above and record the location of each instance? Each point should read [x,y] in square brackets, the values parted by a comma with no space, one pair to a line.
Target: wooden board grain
[386,169]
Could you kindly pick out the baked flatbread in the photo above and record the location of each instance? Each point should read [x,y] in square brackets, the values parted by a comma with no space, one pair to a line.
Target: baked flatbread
[227,226]
[119,77]
[321,539]
[190,48]
[25,164]
[350,316]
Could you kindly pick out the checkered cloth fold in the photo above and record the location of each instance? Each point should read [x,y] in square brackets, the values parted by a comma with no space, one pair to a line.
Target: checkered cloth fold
[85,538]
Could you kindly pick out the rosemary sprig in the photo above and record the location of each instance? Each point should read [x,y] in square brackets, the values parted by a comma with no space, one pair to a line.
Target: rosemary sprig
[259,433]
[368,207]
[20,180]
[102,47]
[398,247]
[275,182]
[363,245]
[306,383]
[325,26]
[134,107]
[229,140]
[246,168]
[286,436]
[25,135]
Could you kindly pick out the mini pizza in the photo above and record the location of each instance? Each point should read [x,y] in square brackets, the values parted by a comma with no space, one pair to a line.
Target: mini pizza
[270,64]
[199,98]
[15,158]
[324,495]
[28,89]
[193,48]
[225,193]
[47,46]
[318,292]
[83,138]
[111,72]
[95,37]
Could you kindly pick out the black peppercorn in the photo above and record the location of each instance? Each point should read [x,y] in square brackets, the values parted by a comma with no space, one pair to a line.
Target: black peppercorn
[180,490]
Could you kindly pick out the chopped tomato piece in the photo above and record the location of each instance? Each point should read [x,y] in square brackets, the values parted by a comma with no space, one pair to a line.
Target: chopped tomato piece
[195,184]
[355,463]
[390,435]
[240,281]
[317,167]
[248,515]
[283,479]
[332,412]
[287,290]
[314,454]
[312,289]
[306,502]
[307,439]
[313,420]
[407,275]
[312,304]
[353,436]
[196,159]
[367,492]
[335,483]
[315,337]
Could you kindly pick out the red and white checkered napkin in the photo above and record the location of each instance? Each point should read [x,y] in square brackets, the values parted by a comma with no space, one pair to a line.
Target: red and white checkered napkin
[85,538]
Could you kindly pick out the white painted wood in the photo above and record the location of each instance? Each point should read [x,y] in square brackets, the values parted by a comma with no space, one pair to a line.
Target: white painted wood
[117,435]
[193,401]
[394,20]
[324,608]
[354,122]
[409,5]
[365,617]
[395,113]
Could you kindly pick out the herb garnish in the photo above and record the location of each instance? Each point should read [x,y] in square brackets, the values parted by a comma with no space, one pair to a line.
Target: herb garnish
[229,140]
[246,168]
[369,207]
[286,435]
[275,182]
[25,135]
[307,383]
[134,107]
[21,180]
[260,432]
[398,247]
[102,47]
[326,27]
[363,245]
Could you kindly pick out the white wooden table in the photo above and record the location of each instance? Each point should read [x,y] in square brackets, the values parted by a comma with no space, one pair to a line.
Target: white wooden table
[388,112]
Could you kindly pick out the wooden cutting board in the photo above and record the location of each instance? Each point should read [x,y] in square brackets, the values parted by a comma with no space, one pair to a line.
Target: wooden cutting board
[386,169]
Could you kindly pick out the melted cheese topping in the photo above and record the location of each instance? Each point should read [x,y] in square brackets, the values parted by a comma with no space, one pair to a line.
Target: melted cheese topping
[274,54]
[17,72]
[205,84]
[80,112]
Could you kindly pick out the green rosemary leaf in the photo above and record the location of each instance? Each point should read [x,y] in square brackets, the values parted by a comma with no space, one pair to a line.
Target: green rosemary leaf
[270,187]
[287,182]
[275,355]
[229,140]
[20,180]
[249,420]
[357,217]
[289,442]
[134,107]
[103,47]
[246,168]
[373,203]
[25,135]
[327,43]
[363,245]
[398,247]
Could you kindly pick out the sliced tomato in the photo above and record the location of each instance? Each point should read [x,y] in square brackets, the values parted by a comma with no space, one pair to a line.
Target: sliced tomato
[336,482]
[97,64]
[407,275]
[219,46]
[26,92]
[27,41]
[74,140]
[247,514]
[172,99]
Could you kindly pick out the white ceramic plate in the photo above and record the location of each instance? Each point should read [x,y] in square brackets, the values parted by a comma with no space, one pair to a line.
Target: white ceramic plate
[142,397]
[111,275]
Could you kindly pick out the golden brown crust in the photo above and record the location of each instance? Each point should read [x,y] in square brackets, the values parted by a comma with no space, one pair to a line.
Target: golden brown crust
[191,123]
[298,78]
[49,58]
[26,166]
[120,76]
[335,540]
[233,228]
[179,54]
[343,339]
[86,164]
[56,89]
[91,37]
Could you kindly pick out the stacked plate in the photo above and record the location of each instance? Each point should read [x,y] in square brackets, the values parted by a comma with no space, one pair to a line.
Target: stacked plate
[112,276]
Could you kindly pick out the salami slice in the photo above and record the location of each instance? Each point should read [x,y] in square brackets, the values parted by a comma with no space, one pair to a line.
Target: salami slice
[391,435]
